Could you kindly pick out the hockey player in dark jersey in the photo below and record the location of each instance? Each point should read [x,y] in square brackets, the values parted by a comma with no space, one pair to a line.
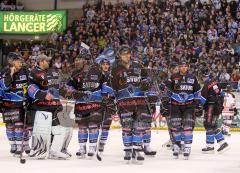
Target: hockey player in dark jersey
[152,93]
[213,106]
[165,109]
[185,90]
[45,104]
[86,83]
[131,102]
[13,83]
[110,108]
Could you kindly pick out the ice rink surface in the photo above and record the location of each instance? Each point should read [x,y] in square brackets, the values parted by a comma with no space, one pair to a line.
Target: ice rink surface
[228,162]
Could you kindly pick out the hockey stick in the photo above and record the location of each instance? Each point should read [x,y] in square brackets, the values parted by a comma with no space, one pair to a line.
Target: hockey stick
[99,158]
[23,160]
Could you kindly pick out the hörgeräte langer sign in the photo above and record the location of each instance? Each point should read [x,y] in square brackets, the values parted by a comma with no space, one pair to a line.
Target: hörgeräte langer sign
[40,22]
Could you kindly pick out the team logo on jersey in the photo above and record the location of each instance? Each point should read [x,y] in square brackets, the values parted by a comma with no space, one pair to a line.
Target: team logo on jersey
[175,81]
[23,77]
[191,81]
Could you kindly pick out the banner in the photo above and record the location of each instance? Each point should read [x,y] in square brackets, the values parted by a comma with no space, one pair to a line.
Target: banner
[41,22]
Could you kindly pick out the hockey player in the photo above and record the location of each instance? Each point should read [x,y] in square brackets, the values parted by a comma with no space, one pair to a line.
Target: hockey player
[86,83]
[14,79]
[45,105]
[185,89]
[153,99]
[213,106]
[132,104]
[110,105]
[165,110]
[229,110]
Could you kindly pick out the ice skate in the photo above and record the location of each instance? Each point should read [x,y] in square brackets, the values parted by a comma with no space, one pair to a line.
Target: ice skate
[18,151]
[58,155]
[176,150]
[101,147]
[168,144]
[137,156]
[13,148]
[128,155]
[148,151]
[186,153]
[82,152]
[223,147]
[91,151]
[208,149]
[27,148]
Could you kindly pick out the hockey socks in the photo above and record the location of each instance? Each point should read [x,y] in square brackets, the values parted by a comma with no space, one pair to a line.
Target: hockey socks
[93,138]
[103,139]
[26,138]
[82,140]
[11,138]
[127,138]
[146,144]
[19,137]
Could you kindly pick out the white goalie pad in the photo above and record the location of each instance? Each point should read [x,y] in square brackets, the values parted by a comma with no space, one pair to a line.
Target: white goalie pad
[41,137]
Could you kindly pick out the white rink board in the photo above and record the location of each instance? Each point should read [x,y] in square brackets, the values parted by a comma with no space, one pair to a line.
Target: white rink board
[228,162]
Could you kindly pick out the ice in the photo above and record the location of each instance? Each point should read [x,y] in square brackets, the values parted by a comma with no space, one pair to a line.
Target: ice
[228,162]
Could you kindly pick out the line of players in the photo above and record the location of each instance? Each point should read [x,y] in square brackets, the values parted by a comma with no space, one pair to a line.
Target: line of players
[100,91]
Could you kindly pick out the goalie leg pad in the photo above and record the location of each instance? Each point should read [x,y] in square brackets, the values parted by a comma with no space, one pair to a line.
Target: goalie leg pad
[41,134]
[58,138]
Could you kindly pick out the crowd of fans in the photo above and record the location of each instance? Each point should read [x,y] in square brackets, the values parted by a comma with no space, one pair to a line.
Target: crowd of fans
[10,5]
[160,33]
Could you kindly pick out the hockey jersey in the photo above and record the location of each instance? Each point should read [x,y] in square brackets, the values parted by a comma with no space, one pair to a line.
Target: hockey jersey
[42,82]
[127,82]
[14,88]
[184,88]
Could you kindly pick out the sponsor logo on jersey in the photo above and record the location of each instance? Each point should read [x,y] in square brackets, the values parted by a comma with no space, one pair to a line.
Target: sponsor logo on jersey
[90,85]
[186,87]
[133,79]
